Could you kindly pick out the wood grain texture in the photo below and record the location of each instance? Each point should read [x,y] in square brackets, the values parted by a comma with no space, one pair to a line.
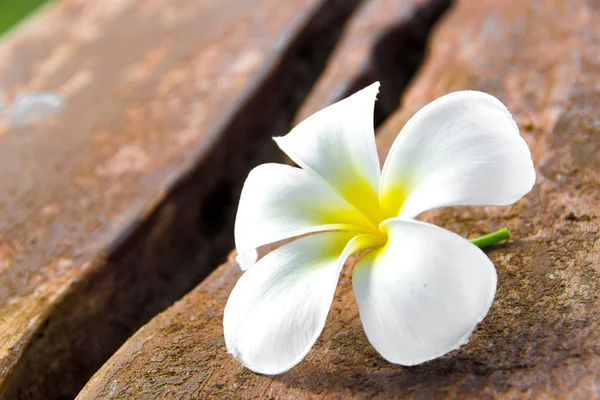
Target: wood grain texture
[541,338]
[112,209]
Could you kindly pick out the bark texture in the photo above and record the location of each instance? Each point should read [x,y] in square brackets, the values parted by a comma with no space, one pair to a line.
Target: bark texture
[541,338]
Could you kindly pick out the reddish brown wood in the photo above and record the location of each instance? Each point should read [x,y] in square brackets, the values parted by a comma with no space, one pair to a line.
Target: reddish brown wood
[542,336]
[117,206]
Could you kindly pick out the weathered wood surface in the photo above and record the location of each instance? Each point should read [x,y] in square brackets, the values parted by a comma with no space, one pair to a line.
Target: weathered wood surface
[542,336]
[114,208]
[383,41]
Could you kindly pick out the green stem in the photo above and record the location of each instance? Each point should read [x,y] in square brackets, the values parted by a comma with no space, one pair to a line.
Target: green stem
[493,238]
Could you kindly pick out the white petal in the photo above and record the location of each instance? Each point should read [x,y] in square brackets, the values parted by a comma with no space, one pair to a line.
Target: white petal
[422,294]
[337,144]
[278,308]
[279,202]
[462,149]
[247,259]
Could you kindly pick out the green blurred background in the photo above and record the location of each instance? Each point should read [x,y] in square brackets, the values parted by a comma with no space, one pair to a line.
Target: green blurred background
[12,11]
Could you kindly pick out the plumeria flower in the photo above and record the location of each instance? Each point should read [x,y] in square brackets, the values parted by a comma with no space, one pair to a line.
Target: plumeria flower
[420,289]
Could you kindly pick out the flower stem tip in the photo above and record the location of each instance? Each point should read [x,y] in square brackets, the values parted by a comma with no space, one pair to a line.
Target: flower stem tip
[492,238]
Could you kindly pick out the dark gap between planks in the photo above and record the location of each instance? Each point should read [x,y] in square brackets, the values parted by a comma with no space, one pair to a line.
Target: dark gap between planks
[397,56]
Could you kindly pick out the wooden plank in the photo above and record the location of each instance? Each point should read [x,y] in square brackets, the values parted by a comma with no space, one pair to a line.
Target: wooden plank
[541,338]
[120,203]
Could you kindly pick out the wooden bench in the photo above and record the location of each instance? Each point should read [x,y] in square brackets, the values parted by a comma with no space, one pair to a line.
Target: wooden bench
[113,209]
[542,336]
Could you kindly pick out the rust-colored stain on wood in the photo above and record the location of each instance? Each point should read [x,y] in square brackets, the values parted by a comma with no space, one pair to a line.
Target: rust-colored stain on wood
[541,338]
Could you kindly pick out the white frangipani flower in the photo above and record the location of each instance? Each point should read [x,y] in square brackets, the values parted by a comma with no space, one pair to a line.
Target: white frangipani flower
[421,289]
